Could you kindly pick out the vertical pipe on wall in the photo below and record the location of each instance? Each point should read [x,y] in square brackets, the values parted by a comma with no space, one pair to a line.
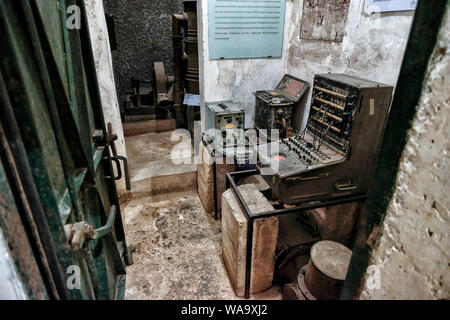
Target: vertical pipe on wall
[178,20]
[186,66]
[191,47]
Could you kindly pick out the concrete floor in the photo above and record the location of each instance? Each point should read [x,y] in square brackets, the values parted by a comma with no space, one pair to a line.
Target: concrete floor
[160,163]
[178,245]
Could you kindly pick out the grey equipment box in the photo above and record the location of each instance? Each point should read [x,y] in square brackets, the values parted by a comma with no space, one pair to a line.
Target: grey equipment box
[225,122]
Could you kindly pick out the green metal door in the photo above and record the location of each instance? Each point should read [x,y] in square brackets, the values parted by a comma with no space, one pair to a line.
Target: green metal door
[56,152]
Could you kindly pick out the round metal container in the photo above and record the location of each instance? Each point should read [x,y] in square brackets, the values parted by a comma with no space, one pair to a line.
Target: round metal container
[327,269]
[303,288]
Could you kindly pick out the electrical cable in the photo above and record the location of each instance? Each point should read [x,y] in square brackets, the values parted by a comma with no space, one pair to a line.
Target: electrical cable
[323,137]
[309,120]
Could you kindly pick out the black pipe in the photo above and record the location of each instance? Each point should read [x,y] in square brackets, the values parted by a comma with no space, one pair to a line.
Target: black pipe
[177,22]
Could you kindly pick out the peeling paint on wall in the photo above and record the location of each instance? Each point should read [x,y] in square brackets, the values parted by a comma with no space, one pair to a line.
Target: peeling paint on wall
[237,79]
[105,74]
[372,48]
[324,20]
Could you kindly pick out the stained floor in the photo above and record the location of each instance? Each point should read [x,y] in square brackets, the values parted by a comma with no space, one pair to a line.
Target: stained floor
[178,245]
[177,249]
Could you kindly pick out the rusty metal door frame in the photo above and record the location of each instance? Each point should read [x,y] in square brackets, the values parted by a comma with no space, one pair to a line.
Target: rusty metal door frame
[55,148]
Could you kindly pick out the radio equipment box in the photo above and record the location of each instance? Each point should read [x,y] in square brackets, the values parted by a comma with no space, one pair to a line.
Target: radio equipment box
[335,155]
[225,123]
[275,108]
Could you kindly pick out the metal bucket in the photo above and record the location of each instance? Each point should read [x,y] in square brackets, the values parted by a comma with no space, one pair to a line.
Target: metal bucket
[327,269]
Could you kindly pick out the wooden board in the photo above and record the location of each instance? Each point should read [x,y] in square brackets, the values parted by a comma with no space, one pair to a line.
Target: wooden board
[234,240]
[141,127]
[205,179]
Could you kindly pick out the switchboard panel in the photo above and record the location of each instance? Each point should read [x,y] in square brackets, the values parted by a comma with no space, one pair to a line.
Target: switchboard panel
[334,156]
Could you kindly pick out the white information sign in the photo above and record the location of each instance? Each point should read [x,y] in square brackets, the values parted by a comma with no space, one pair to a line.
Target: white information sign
[390,5]
[246,28]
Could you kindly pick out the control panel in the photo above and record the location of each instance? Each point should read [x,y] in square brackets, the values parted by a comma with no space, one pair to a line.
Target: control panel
[225,123]
[230,128]
[304,151]
[335,154]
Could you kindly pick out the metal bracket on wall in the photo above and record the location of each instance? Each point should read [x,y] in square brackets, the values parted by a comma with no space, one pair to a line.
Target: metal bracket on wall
[110,140]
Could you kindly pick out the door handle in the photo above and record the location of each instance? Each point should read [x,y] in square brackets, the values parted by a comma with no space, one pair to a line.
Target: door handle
[117,160]
[119,169]
[81,232]
[111,142]
[108,227]
[345,187]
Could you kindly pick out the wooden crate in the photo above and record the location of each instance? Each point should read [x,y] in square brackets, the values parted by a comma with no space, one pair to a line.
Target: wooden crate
[234,240]
[205,178]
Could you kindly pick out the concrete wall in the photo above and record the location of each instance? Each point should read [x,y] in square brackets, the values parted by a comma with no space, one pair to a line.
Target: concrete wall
[372,48]
[144,35]
[105,74]
[11,284]
[236,79]
[412,255]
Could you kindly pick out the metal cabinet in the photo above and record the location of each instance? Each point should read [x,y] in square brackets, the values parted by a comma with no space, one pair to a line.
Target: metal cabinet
[58,198]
